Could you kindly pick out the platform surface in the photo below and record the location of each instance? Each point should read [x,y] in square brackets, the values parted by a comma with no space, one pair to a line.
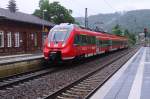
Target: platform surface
[132,81]
[20,57]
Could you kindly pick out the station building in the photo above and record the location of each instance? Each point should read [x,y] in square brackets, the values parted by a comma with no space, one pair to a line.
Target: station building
[21,33]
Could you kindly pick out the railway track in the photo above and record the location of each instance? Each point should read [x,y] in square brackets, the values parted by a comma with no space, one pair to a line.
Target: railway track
[87,85]
[21,78]
[17,82]
[13,80]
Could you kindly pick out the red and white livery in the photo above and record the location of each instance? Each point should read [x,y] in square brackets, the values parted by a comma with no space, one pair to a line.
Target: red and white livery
[69,41]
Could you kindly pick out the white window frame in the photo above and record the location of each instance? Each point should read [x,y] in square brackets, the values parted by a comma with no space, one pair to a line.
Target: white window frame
[17,39]
[9,39]
[2,39]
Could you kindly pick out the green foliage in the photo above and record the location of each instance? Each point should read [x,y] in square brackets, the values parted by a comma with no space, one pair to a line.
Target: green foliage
[77,23]
[117,30]
[12,6]
[126,32]
[131,37]
[55,12]
[135,21]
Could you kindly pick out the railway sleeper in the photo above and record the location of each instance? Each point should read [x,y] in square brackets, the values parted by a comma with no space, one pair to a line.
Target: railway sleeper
[81,90]
[69,95]
[86,83]
[90,81]
[82,87]
[61,97]
[76,92]
[73,92]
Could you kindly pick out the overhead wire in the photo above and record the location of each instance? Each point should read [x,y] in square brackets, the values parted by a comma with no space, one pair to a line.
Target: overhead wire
[110,6]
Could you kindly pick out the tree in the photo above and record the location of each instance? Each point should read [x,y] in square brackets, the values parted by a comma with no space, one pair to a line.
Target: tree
[117,30]
[131,37]
[12,6]
[55,12]
[126,32]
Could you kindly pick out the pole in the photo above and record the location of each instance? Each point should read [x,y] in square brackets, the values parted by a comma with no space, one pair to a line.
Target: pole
[43,22]
[86,18]
[43,19]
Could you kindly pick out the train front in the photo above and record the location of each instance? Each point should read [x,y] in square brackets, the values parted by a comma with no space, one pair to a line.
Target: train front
[58,43]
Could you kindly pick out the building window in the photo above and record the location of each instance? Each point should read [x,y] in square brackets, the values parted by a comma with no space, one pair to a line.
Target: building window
[35,40]
[9,39]
[1,39]
[17,42]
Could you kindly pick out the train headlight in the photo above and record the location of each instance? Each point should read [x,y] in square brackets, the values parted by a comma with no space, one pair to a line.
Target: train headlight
[49,45]
[63,44]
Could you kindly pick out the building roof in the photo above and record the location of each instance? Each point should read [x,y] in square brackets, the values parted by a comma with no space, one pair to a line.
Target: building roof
[23,17]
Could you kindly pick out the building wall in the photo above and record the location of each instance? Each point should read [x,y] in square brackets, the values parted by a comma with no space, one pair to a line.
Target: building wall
[25,37]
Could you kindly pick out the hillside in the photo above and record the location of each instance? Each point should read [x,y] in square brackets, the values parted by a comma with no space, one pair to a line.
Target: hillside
[134,20]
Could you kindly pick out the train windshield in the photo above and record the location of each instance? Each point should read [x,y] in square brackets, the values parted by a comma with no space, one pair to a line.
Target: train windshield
[59,34]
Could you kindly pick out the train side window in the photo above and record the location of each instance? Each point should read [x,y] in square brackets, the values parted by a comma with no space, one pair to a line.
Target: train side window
[93,40]
[106,43]
[100,43]
[77,39]
[87,40]
[114,42]
[110,42]
[90,39]
[83,39]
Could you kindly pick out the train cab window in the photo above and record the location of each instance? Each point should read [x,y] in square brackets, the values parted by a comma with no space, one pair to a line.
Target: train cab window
[59,34]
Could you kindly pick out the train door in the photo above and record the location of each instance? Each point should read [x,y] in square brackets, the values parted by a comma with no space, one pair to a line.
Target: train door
[77,42]
[110,45]
[97,46]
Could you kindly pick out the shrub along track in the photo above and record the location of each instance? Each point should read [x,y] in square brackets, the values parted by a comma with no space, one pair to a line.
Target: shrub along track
[70,75]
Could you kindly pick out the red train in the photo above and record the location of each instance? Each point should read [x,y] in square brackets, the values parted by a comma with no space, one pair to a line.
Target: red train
[69,41]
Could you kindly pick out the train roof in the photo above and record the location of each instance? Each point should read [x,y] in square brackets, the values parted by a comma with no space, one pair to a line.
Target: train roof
[101,35]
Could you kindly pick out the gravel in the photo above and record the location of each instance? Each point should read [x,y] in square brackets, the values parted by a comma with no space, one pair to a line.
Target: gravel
[37,88]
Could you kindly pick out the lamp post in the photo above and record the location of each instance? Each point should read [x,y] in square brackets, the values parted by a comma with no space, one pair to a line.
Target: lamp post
[43,19]
[43,32]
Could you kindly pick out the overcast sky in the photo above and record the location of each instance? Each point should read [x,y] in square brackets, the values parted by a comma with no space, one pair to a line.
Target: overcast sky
[78,6]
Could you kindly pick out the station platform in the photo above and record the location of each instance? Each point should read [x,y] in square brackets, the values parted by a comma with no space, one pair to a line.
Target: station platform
[132,81]
[16,64]
[18,58]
